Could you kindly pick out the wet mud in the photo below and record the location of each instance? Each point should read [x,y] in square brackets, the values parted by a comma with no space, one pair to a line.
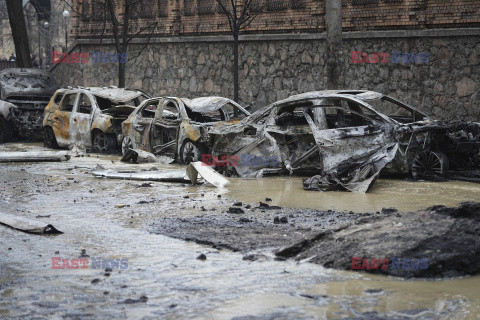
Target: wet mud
[114,219]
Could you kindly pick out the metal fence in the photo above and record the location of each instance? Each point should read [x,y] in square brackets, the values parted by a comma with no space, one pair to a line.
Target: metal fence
[7,64]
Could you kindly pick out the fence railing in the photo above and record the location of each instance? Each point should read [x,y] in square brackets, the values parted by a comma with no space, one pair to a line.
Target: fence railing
[7,64]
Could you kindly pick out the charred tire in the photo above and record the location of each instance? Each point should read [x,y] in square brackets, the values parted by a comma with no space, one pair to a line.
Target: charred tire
[127,143]
[103,143]
[6,130]
[190,152]
[429,165]
[49,139]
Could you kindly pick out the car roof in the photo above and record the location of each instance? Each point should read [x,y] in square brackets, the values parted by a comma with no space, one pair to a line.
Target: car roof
[208,104]
[358,94]
[111,93]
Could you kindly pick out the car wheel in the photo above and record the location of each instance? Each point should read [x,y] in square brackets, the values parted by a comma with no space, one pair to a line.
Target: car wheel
[429,165]
[49,139]
[189,152]
[6,130]
[127,143]
[103,143]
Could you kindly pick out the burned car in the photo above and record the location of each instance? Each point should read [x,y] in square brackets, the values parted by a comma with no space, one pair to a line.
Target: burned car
[178,127]
[24,95]
[341,137]
[90,116]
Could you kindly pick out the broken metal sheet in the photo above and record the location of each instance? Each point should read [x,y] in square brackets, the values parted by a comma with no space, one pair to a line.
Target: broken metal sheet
[174,175]
[355,175]
[34,156]
[27,225]
[207,173]
[138,156]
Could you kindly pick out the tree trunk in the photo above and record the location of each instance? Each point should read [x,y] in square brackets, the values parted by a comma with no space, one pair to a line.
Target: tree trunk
[235,67]
[19,33]
[333,19]
[121,75]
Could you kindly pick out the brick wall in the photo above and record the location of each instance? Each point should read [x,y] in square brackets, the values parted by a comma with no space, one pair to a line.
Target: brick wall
[194,17]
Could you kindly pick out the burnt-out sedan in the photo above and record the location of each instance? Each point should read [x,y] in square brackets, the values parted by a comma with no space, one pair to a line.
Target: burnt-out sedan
[345,138]
[178,127]
[89,116]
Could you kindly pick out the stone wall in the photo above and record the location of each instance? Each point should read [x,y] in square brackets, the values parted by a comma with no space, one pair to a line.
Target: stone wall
[273,67]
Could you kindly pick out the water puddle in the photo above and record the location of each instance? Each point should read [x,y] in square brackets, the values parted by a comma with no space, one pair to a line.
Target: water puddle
[386,193]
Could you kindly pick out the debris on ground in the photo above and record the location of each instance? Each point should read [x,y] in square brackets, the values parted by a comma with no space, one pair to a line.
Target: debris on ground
[193,173]
[26,224]
[34,156]
[173,175]
[138,156]
[211,176]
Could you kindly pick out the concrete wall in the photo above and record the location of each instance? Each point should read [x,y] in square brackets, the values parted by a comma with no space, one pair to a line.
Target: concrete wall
[276,66]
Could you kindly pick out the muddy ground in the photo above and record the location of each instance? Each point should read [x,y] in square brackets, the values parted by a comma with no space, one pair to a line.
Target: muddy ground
[233,269]
[447,237]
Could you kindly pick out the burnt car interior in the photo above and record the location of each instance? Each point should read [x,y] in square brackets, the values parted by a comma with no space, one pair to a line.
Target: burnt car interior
[227,112]
[68,102]
[396,110]
[105,104]
[327,114]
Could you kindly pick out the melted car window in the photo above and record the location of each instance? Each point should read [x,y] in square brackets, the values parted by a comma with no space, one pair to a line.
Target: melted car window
[337,118]
[149,109]
[85,105]
[104,103]
[170,111]
[68,102]
[58,98]
[292,115]
[229,109]
[395,110]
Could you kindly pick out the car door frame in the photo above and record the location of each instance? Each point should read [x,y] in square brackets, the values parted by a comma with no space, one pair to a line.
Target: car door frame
[141,126]
[337,145]
[60,118]
[77,133]
[165,124]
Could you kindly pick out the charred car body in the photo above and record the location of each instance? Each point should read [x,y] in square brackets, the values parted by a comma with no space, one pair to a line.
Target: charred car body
[178,127]
[90,116]
[340,136]
[24,95]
